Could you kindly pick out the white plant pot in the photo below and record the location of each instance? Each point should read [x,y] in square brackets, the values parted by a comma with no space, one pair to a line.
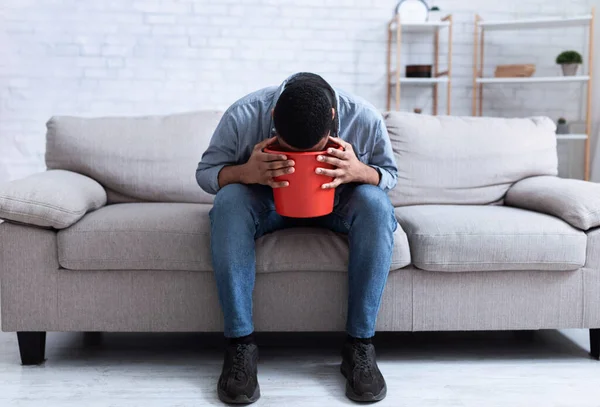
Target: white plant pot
[569,69]
[434,15]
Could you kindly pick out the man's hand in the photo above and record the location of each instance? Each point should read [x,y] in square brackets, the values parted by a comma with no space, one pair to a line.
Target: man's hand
[262,167]
[348,167]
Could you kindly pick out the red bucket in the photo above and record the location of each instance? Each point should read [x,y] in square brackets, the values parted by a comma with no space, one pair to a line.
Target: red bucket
[304,197]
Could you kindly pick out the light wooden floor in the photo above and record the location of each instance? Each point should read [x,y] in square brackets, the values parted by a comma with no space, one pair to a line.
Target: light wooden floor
[422,370]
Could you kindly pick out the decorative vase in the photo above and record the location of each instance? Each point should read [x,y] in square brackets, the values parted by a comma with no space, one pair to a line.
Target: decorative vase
[562,128]
[569,69]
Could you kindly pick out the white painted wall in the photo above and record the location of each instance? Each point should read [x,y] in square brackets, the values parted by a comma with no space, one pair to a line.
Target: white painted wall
[595,170]
[126,57]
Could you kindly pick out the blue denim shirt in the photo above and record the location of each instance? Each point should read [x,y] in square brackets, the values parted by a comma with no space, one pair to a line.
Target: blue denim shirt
[248,122]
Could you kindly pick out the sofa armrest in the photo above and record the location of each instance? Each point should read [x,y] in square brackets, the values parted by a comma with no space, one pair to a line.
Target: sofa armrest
[54,198]
[574,201]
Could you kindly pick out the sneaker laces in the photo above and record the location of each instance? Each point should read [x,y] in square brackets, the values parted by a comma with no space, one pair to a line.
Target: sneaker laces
[238,367]
[362,360]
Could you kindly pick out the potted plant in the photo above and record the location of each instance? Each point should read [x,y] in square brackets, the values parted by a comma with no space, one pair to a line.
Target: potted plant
[569,61]
[434,14]
[562,126]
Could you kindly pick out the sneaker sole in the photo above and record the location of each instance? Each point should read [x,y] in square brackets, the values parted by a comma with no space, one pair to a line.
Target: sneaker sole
[365,397]
[241,399]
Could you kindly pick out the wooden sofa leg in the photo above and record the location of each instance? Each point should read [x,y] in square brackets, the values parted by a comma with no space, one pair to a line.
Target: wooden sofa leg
[595,343]
[32,346]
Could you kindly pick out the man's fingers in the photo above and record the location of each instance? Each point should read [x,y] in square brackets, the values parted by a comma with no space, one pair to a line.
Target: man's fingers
[331,160]
[268,157]
[281,184]
[263,144]
[275,165]
[338,153]
[333,184]
[329,173]
[340,142]
[277,173]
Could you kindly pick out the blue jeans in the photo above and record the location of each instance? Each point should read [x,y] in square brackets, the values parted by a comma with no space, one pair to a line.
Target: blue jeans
[243,213]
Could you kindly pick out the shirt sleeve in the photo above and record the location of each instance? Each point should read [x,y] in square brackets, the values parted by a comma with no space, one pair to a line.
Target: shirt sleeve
[382,158]
[222,151]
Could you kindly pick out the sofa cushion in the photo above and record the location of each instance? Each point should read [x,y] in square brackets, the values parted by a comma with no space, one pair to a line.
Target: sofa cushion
[176,236]
[54,198]
[466,160]
[574,201]
[152,158]
[479,238]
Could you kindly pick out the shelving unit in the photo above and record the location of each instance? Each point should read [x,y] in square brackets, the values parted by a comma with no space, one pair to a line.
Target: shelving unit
[571,136]
[395,80]
[479,81]
[535,79]
[421,81]
[547,22]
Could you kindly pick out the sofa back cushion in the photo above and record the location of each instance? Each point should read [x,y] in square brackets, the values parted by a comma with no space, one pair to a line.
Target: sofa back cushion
[151,158]
[466,160]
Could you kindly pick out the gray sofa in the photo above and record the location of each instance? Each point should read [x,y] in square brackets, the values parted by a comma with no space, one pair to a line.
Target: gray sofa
[114,236]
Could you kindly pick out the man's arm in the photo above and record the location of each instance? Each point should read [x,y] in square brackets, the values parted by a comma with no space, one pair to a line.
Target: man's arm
[221,153]
[261,168]
[231,174]
[348,167]
[381,170]
[382,158]
[371,175]
[220,165]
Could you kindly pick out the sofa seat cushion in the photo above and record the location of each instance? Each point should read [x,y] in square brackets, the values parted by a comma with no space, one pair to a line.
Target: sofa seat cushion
[176,236]
[139,236]
[480,238]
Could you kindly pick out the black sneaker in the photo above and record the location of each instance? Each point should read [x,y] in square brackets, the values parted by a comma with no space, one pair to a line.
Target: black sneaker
[364,381]
[238,383]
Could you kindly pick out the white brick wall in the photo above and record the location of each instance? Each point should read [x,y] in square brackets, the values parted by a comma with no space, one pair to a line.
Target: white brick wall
[106,57]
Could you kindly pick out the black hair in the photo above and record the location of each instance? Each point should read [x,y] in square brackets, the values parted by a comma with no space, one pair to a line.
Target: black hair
[302,113]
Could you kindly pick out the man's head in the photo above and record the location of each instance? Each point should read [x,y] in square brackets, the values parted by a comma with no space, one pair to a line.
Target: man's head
[305,113]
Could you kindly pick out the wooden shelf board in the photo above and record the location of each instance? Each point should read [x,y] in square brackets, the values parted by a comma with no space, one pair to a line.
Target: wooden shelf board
[535,79]
[428,26]
[572,136]
[550,22]
[420,81]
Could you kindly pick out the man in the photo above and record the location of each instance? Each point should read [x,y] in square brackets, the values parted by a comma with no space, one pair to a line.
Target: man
[303,114]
